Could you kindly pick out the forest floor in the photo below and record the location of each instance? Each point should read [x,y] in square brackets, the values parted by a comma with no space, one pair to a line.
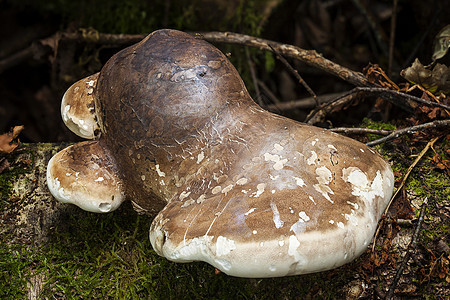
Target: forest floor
[392,101]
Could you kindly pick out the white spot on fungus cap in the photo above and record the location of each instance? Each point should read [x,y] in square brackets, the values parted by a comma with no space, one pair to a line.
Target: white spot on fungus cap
[307,241]
[321,216]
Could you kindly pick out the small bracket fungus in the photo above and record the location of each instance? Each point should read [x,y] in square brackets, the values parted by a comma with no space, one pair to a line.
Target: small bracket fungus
[85,174]
[78,110]
[181,137]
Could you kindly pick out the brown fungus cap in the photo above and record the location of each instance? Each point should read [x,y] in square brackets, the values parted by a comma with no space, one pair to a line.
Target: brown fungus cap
[250,192]
[295,199]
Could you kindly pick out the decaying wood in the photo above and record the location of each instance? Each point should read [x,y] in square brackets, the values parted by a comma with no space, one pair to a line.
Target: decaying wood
[33,211]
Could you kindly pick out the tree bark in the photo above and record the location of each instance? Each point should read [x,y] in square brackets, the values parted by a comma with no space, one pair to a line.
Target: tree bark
[31,210]
[28,210]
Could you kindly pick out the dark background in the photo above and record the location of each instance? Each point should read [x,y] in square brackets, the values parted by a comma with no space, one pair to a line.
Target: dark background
[31,88]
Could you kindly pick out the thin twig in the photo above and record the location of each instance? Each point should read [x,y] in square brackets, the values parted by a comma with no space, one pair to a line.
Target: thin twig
[411,167]
[405,177]
[411,246]
[397,98]
[395,134]
[268,92]
[253,74]
[307,102]
[360,131]
[393,96]
[296,74]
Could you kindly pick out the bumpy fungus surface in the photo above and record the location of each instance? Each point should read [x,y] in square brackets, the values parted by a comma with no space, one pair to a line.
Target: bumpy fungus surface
[252,193]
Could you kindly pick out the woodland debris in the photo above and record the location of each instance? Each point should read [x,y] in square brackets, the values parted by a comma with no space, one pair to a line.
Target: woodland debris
[6,140]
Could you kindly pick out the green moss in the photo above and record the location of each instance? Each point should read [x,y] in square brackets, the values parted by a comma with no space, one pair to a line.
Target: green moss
[427,182]
[435,186]
[14,271]
[368,123]
[430,183]
[5,189]
[95,256]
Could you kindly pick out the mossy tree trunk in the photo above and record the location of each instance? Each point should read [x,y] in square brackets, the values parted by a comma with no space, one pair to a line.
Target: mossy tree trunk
[29,212]
[57,250]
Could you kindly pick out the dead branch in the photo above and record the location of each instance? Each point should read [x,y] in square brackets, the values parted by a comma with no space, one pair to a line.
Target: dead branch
[360,131]
[307,102]
[399,99]
[309,57]
[389,135]
[397,133]
[396,97]
[319,113]
[47,45]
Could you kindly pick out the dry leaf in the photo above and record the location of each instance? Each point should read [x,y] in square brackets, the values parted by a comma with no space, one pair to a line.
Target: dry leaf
[401,207]
[436,80]
[376,75]
[6,145]
[441,43]
[434,113]
[440,163]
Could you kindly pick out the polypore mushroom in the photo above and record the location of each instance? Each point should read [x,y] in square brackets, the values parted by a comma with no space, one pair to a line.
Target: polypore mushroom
[252,193]
[78,110]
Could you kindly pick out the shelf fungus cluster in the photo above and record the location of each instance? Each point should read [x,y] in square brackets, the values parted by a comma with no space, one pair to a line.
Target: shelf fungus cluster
[175,131]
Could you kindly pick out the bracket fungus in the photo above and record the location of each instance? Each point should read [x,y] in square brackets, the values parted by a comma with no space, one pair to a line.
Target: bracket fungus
[252,193]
